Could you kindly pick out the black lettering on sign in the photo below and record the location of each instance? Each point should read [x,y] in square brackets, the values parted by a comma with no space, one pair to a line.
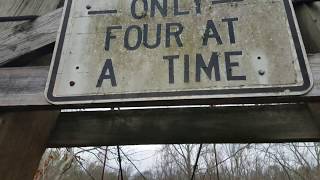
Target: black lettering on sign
[138,38]
[133,9]
[207,34]
[109,36]
[186,68]
[162,9]
[176,34]
[231,28]
[230,65]
[108,67]
[171,66]
[145,36]
[198,6]
[176,11]
[200,64]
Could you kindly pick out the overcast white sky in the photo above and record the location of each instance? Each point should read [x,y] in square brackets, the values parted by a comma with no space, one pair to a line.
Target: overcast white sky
[143,156]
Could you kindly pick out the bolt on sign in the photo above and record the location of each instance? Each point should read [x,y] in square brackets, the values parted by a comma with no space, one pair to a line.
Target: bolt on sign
[146,50]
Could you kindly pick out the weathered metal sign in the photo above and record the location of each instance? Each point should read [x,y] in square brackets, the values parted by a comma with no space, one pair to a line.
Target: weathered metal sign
[142,50]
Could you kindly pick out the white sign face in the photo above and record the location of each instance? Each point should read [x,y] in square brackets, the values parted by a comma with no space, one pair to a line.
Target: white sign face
[147,50]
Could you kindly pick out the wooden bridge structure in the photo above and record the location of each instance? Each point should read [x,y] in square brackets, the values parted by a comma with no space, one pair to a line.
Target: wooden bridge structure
[29,124]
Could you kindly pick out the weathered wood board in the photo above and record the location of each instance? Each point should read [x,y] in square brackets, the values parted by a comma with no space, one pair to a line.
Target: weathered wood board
[14,36]
[29,36]
[120,51]
[22,8]
[308,16]
[23,86]
[247,124]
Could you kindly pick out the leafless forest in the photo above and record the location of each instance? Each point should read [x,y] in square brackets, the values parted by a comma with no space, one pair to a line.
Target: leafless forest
[178,162]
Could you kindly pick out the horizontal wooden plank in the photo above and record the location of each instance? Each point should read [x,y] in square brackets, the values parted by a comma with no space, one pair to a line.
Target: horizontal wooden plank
[29,36]
[314,61]
[308,16]
[24,87]
[25,8]
[254,124]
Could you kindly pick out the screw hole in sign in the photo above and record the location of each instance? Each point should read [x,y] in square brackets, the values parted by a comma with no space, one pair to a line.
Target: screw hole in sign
[72,83]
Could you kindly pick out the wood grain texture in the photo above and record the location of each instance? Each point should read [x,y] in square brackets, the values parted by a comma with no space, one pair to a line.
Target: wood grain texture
[254,124]
[308,16]
[29,36]
[23,138]
[23,86]
[314,60]
[25,7]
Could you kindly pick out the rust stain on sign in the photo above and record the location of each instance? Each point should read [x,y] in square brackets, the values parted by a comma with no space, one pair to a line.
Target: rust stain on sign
[142,50]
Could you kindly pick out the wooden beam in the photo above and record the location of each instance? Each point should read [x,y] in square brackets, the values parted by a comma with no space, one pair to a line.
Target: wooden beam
[254,124]
[308,16]
[23,138]
[24,88]
[314,61]
[29,36]
[25,8]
